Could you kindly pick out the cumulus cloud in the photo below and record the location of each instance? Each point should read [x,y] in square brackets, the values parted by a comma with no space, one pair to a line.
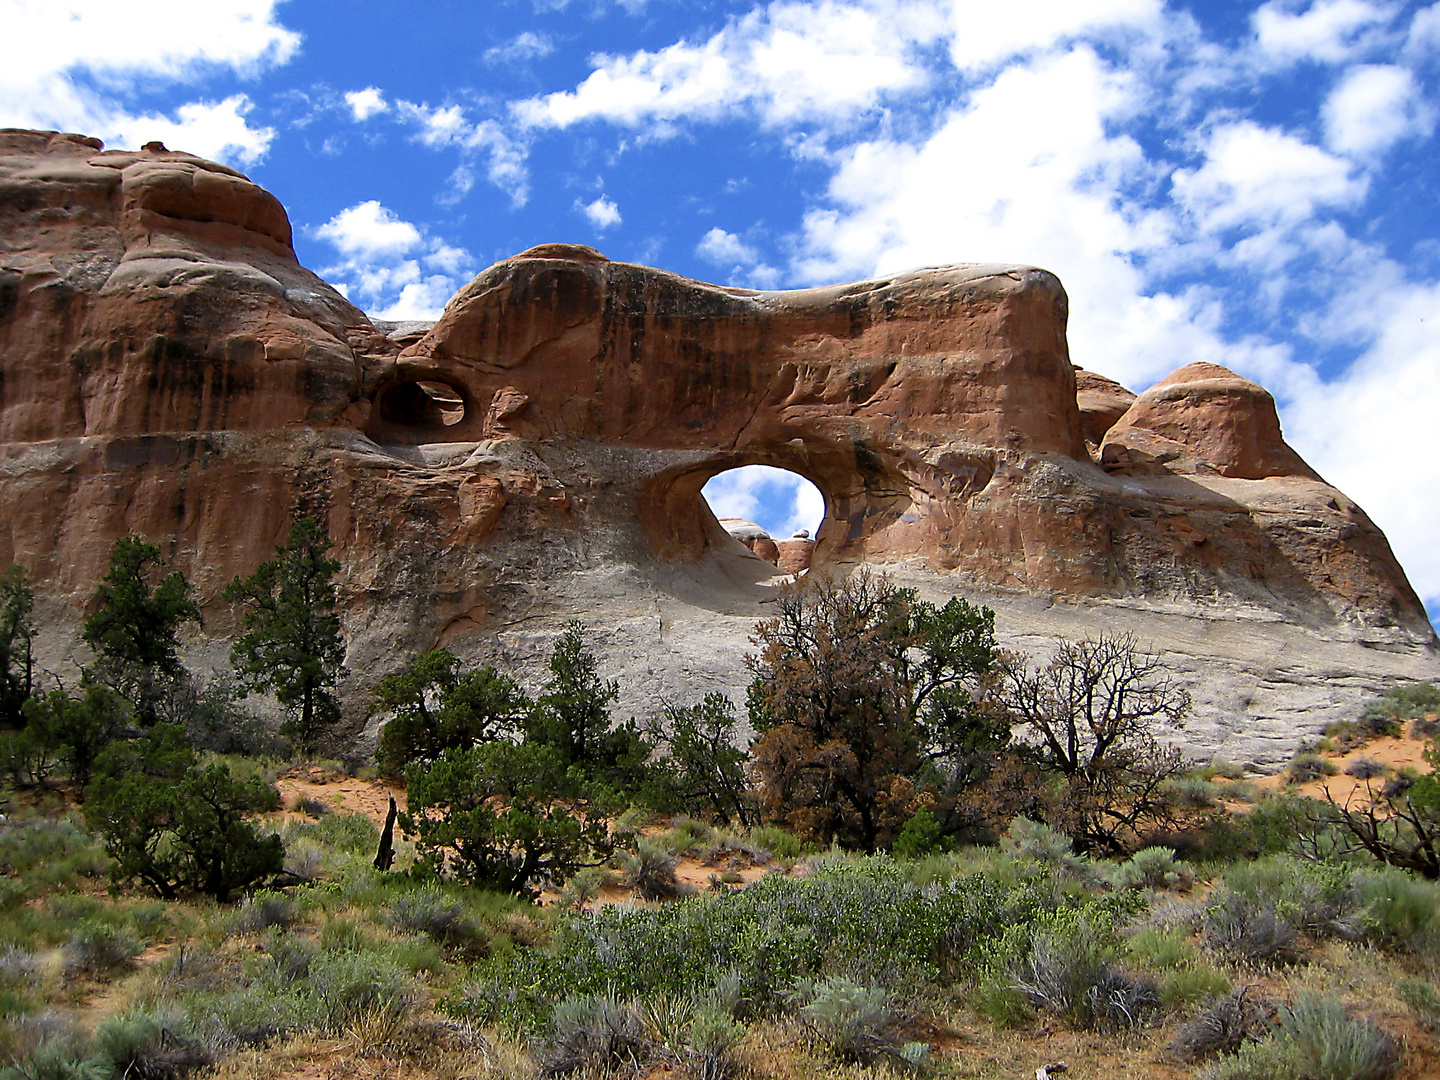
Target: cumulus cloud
[389,266]
[779,501]
[82,61]
[603,213]
[366,103]
[724,248]
[1372,108]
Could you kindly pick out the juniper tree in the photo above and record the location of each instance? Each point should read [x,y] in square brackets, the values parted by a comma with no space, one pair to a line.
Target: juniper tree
[17,634]
[292,645]
[135,627]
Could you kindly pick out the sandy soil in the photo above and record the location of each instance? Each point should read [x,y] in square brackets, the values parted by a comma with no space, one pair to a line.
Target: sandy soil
[1394,752]
[342,794]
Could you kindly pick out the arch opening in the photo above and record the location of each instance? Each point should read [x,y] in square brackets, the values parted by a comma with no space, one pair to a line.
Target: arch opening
[773,512]
[423,403]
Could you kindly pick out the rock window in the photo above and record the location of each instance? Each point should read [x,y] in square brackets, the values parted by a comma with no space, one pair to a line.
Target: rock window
[773,512]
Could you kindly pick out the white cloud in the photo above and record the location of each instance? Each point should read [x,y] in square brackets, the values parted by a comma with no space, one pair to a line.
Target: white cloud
[216,130]
[389,266]
[525,46]
[725,248]
[366,103]
[789,61]
[123,47]
[1326,31]
[368,229]
[603,213]
[779,501]
[985,33]
[1256,176]
[1373,107]
[1370,432]
[450,127]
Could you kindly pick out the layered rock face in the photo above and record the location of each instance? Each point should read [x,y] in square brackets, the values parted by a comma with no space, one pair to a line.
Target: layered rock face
[538,454]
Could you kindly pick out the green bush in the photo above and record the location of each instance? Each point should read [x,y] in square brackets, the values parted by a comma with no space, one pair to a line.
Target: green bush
[189,832]
[1048,851]
[920,836]
[861,919]
[1185,986]
[354,834]
[776,841]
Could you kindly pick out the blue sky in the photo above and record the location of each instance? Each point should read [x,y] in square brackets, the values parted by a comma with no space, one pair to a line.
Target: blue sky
[1249,184]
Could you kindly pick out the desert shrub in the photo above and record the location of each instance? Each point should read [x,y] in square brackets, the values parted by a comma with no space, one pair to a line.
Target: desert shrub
[1223,1027]
[1307,766]
[285,961]
[57,1059]
[263,909]
[855,1020]
[47,852]
[1184,986]
[149,1045]
[1247,930]
[97,947]
[1424,998]
[1329,1045]
[1066,962]
[1230,770]
[1039,845]
[351,984]
[650,872]
[1312,896]
[430,911]
[582,889]
[354,834]
[250,1016]
[1192,793]
[196,970]
[595,1033]
[1396,910]
[776,841]
[714,1032]
[1365,769]
[1152,868]
[1405,703]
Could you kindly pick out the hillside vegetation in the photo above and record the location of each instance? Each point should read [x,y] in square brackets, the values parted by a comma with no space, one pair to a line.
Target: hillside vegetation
[933,859]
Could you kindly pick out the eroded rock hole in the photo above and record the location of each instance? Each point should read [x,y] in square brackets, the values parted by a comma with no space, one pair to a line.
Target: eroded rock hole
[423,403]
[773,512]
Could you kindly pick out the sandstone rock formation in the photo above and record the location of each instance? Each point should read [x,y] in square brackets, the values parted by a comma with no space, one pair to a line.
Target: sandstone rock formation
[168,369]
